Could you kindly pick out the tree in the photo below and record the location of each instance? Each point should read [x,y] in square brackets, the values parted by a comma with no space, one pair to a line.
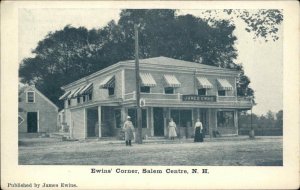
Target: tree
[279,119]
[72,53]
[262,23]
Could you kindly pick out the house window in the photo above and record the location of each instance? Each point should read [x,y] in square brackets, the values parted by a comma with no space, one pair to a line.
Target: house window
[169,90]
[111,91]
[78,100]
[202,92]
[69,102]
[145,89]
[30,97]
[90,96]
[221,93]
[225,119]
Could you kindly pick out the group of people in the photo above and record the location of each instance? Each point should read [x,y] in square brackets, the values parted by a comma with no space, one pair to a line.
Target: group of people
[198,130]
[129,131]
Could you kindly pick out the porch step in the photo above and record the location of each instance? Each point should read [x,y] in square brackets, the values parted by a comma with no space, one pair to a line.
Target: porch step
[59,135]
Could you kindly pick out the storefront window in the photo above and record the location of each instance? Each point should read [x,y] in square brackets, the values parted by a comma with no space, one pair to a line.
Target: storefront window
[202,92]
[132,114]
[118,118]
[182,118]
[221,93]
[169,90]
[145,89]
[225,119]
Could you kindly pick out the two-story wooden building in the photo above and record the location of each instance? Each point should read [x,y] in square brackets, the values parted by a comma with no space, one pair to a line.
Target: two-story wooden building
[97,105]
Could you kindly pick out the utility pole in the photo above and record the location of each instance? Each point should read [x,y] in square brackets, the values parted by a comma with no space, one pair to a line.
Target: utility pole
[139,138]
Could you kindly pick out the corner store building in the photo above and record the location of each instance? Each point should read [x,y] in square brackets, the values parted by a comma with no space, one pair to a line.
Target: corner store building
[97,105]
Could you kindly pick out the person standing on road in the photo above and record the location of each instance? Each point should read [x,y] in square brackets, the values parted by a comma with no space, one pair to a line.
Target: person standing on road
[198,131]
[172,129]
[128,129]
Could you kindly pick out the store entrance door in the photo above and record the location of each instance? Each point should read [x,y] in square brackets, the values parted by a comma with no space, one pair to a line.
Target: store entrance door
[158,121]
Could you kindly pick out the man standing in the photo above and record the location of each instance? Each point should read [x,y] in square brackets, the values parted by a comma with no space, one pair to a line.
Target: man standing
[128,129]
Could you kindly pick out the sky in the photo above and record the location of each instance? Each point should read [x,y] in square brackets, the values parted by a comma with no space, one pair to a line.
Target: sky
[262,61]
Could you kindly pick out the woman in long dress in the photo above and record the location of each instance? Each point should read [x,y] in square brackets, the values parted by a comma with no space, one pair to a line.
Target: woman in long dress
[198,131]
[128,129]
[172,129]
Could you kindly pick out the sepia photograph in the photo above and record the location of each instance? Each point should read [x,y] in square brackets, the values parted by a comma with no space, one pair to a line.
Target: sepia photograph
[136,90]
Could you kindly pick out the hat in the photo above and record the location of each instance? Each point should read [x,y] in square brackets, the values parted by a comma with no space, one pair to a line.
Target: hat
[128,117]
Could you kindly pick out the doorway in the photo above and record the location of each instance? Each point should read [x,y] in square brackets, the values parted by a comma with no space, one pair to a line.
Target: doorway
[158,121]
[203,119]
[92,122]
[32,125]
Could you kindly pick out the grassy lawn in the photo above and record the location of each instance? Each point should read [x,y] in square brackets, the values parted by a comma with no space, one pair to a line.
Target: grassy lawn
[263,151]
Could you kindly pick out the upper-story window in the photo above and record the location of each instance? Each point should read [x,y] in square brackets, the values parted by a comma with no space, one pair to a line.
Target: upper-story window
[202,92]
[30,97]
[111,91]
[169,90]
[171,82]
[145,89]
[203,85]
[90,96]
[223,86]
[147,81]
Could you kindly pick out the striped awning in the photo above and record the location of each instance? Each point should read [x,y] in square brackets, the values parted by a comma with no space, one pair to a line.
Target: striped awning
[147,79]
[223,84]
[65,95]
[108,82]
[73,92]
[204,83]
[87,89]
[171,81]
[77,93]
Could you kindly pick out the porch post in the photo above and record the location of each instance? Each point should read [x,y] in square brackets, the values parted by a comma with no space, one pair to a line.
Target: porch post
[123,115]
[235,117]
[212,115]
[99,120]
[150,124]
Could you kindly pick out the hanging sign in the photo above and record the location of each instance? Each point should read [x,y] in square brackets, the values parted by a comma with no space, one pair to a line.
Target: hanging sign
[196,98]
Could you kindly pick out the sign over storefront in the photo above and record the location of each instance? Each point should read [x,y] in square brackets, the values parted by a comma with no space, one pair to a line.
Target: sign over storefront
[198,98]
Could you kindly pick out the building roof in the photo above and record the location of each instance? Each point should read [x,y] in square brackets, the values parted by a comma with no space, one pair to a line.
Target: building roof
[166,61]
[155,62]
[24,88]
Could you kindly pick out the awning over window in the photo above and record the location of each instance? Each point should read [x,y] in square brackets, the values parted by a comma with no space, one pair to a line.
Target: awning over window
[147,79]
[108,82]
[86,90]
[171,81]
[223,84]
[77,93]
[71,95]
[65,95]
[204,83]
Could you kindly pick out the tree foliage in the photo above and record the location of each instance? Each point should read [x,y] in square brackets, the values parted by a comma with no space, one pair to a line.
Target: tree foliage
[72,53]
[262,23]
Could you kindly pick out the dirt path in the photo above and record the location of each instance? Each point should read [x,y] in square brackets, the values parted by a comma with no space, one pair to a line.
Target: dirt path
[230,152]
